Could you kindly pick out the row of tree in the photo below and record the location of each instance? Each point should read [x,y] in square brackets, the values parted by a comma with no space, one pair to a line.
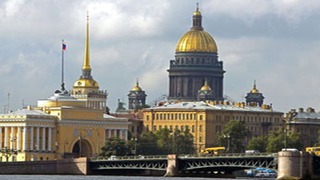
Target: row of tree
[151,143]
[235,133]
[232,137]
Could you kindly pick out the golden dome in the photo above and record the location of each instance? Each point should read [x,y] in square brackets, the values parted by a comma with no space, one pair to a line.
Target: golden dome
[206,87]
[254,90]
[196,41]
[137,88]
[86,83]
[197,13]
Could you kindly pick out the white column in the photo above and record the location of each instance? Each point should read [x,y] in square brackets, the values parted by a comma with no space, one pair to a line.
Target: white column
[120,134]
[31,139]
[104,137]
[19,139]
[43,139]
[54,139]
[6,137]
[109,133]
[115,133]
[12,138]
[126,135]
[38,139]
[24,145]
[49,139]
[0,137]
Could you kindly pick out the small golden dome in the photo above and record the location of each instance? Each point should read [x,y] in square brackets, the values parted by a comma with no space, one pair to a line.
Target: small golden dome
[254,90]
[197,13]
[137,88]
[206,87]
[86,83]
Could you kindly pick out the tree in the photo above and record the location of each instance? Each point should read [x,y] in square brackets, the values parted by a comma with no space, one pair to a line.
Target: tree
[258,143]
[7,153]
[232,136]
[276,140]
[147,144]
[116,146]
[163,140]
[182,142]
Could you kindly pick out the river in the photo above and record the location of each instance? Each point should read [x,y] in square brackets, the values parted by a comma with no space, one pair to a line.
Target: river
[68,177]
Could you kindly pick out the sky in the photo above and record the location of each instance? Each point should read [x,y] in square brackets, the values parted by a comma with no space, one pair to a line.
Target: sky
[275,42]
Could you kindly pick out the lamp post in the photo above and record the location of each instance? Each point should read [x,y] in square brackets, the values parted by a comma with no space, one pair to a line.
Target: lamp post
[135,145]
[228,141]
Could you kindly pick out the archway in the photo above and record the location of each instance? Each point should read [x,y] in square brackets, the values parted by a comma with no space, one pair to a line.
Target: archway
[82,148]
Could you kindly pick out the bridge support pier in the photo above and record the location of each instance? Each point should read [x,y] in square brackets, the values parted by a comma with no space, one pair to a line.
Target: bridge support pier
[294,165]
[172,168]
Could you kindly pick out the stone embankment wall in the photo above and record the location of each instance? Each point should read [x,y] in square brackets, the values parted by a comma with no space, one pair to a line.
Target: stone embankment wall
[77,166]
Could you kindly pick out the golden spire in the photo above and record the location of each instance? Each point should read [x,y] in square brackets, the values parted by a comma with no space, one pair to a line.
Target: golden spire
[197,12]
[86,62]
[254,90]
[206,87]
[137,88]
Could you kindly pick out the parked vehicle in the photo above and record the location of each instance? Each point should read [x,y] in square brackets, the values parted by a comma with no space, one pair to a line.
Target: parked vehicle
[214,150]
[290,149]
[315,150]
[252,152]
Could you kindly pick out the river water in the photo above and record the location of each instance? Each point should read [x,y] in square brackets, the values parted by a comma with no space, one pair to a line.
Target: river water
[67,177]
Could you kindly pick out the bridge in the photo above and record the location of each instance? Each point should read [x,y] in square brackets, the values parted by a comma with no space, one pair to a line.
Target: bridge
[190,165]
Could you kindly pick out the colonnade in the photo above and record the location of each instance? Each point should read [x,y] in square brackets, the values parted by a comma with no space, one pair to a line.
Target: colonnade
[117,132]
[22,138]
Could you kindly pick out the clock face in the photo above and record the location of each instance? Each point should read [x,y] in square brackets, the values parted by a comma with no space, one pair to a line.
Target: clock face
[79,83]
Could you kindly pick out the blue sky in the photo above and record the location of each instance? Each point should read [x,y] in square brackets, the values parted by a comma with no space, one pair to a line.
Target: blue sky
[275,42]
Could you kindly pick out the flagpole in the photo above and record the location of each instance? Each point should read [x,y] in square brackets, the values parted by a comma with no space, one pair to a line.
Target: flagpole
[62,67]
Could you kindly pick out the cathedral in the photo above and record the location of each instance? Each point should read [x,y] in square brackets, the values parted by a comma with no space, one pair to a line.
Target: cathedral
[196,64]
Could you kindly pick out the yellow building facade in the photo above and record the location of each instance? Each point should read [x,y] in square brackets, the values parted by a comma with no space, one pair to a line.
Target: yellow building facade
[63,125]
[205,119]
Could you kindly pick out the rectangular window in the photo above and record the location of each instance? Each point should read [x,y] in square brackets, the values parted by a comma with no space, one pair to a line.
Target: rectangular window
[183,116]
[155,128]
[160,116]
[200,139]
[160,127]
[200,128]
[147,117]
[171,128]
[187,116]
[200,117]
[177,127]
[157,116]
[193,128]
[182,128]
[164,116]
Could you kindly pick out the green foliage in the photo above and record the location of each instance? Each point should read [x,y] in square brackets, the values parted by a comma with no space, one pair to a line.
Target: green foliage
[116,146]
[276,140]
[164,142]
[182,142]
[6,152]
[258,143]
[232,136]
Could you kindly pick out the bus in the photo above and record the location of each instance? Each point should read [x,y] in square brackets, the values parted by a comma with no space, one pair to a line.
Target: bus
[214,150]
[315,150]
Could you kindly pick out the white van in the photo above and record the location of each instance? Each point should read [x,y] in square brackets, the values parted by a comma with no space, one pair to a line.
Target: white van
[290,149]
[252,152]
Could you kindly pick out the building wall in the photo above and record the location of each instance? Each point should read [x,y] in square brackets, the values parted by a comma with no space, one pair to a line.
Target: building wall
[205,124]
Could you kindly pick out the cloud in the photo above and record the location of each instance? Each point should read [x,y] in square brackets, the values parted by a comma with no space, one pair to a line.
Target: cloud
[275,42]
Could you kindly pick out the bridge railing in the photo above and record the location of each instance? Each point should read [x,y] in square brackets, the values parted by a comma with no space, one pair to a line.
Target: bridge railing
[129,157]
[228,155]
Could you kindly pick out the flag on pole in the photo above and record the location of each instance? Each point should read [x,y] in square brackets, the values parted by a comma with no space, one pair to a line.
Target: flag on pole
[64,46]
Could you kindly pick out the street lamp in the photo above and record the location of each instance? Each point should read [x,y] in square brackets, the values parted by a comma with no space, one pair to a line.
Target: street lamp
[135,139]
[228,141]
